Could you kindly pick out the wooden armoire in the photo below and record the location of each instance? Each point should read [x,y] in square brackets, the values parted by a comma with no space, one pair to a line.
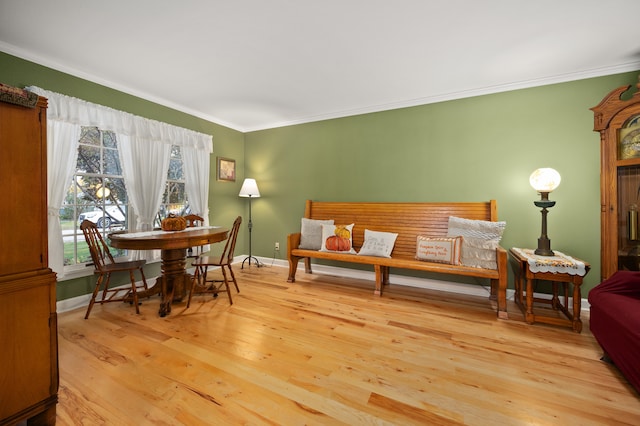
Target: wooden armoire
[28,321]
[617,118]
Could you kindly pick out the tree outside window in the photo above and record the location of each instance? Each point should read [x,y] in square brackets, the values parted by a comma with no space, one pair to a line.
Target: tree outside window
[97,193]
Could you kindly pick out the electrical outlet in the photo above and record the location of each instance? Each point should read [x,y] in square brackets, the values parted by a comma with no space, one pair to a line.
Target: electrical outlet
[277,246]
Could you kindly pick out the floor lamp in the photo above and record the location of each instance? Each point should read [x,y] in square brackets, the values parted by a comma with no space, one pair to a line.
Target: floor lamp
[250,189]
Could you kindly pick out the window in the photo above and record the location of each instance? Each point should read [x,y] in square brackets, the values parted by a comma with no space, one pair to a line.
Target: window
[97,193]
[148,143]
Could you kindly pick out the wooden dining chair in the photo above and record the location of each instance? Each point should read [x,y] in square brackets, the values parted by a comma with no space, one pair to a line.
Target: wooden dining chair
[193,220]
[105,265]
[200,283]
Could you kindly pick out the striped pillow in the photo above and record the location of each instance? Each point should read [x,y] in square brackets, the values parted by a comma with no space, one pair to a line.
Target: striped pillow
[480,240]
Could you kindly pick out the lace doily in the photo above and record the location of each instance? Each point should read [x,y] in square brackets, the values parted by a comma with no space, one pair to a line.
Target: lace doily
[560,263]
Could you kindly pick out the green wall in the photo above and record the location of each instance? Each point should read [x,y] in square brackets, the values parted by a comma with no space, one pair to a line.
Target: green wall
[471,149]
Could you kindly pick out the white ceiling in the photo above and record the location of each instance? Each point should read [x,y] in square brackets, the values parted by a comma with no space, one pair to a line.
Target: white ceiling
[256,64]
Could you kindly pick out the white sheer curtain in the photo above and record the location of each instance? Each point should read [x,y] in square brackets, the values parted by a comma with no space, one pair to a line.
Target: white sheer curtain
[196,182]
[196,175]
[145,181]
[137,130]
[62,153]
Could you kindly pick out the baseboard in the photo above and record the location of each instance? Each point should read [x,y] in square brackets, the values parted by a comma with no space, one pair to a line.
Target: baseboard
[426,283]
[73,303]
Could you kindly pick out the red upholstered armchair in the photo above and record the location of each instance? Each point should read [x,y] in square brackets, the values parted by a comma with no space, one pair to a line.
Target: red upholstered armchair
[615,321]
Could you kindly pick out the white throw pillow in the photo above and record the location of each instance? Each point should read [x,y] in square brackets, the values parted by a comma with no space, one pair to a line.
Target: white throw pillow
[378,243]
[337,238]
[311,233]
[480,240]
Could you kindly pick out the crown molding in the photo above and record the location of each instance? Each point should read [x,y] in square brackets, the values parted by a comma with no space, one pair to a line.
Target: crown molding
[555,79]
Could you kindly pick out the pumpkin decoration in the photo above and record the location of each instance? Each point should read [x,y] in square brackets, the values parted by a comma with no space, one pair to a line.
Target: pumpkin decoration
[342,231]
[173,223]
[341,241]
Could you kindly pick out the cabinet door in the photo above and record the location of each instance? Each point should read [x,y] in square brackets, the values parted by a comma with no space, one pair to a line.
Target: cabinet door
[28,352]
[23,214]
[625,131]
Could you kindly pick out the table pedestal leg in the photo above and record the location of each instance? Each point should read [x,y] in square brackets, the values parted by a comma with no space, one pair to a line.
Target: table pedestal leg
[174,278]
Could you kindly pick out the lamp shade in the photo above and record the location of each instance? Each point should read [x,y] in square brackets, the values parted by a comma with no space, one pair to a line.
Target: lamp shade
[249,189]
[544,179]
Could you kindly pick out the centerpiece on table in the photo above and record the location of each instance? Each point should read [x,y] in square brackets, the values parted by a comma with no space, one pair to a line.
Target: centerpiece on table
[173,223]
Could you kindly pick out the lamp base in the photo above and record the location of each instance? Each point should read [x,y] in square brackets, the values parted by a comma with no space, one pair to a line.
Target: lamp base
[248,258]
[544,247]
[544,252]
[544,243]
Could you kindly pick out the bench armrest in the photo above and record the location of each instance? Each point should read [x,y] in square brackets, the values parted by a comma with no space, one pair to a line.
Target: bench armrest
[502,263]
[293,241]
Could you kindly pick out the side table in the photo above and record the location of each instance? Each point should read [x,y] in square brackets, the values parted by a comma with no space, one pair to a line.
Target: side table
[560,270]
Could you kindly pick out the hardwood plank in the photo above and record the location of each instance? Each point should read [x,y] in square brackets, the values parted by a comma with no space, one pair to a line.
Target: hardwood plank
[325,351]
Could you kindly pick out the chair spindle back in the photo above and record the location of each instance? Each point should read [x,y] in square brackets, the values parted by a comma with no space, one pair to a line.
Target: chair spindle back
[100,254]
[230,245]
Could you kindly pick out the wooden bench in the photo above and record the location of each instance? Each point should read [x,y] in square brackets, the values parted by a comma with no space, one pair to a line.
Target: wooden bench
[408,220]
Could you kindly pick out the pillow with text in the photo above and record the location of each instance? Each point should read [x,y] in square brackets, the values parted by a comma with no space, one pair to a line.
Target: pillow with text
[439,249]
[378,243]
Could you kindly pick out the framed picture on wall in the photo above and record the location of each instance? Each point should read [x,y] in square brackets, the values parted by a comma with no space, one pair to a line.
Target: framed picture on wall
[226,169]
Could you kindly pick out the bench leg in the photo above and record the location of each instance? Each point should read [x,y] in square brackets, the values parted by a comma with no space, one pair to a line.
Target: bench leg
[385,275]
[494,290]
[378,289]
[293,267]
[307,265]
[499,293]
[499,286]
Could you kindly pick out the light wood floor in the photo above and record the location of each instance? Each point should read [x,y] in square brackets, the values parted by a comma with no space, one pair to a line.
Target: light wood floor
[325,350]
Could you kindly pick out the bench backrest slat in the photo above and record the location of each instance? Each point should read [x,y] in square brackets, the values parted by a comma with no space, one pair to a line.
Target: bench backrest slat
[406,219]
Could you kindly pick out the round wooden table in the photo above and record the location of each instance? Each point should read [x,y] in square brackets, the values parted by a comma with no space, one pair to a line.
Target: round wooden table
[173,246]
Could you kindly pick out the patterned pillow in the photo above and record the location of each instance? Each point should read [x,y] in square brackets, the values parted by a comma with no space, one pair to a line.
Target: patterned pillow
[480,240]
[439,249]
[311,233]
[378,243]
[337,238]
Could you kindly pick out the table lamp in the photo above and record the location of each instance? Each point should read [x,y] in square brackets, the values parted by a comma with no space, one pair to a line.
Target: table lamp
[544,181]
[250,189]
